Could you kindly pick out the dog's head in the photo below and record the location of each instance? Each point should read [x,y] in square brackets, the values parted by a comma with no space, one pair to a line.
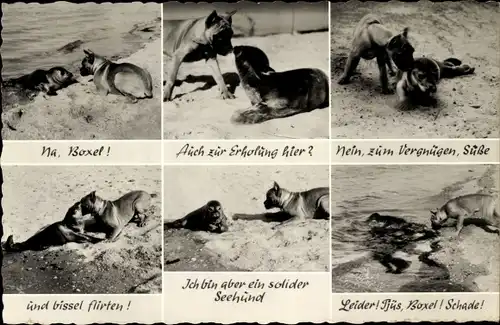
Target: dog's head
[216,216]
[401,51]
[61,76]
[88,63]
[253,59]
[425,75]
[219,31]
[91,203]
[273,197]
[438,217]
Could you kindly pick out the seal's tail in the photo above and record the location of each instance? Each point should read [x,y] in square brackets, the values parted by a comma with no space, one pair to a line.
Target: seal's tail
[173,224]
[261,113]
[453,61]
[10,246]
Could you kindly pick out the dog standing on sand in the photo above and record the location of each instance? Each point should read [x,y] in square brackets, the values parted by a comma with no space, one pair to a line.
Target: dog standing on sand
[373,40]
[277,94]
[482,207]
[310,204]
[194,40]
[124,79]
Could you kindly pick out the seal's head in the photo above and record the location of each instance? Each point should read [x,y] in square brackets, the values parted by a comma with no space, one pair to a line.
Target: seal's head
[61,77]
[254,59]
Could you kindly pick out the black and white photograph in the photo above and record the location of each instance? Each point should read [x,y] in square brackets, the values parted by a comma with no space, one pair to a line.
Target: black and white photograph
[81,230]
[415,228]
[246,218]
[81,71]
[246,70]
[414,69]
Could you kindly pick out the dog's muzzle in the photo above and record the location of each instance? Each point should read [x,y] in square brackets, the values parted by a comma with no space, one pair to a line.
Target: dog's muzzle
[267,204]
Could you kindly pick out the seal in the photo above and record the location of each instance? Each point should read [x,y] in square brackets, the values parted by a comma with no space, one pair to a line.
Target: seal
[46,81]
[277,94]
[70,229]
[419,84]
[209,217]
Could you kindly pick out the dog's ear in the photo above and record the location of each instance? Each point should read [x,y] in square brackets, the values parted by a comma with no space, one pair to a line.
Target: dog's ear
[211,19]
[276,186]
[92,195]
[229,16]
[405,32]
[433,212]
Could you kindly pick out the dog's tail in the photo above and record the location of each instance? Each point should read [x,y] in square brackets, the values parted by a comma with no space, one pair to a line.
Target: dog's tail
[453,61]
[261,113]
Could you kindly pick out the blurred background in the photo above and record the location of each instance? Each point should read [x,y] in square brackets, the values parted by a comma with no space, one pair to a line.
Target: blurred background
[253,19]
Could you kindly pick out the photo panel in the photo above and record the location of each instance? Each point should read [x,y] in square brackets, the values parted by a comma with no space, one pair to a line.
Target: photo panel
[246,218]
[82,230]
[402,70]
[81,71]
[245,70]
[418,228]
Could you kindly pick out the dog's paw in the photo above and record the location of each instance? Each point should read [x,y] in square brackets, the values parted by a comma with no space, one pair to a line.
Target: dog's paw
[343,81]
[388,91]
[226,95]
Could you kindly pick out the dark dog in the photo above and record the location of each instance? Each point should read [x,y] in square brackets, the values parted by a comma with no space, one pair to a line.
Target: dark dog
[209,217]
[394,240]
[124,79]
[373,40]
[46,81]
[195,40]
[417,85]
[277,94]
[112,216]
[311,204]
[70,229]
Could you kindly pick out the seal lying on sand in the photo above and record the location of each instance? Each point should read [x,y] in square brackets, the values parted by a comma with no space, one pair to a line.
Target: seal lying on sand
[47,81]
[277,94]
[210,217]
[59,233]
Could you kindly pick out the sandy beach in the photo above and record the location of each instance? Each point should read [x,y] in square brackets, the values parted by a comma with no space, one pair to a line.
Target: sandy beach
[196,112]
[468,104]
[78,112]
[249,245]
[37,196]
